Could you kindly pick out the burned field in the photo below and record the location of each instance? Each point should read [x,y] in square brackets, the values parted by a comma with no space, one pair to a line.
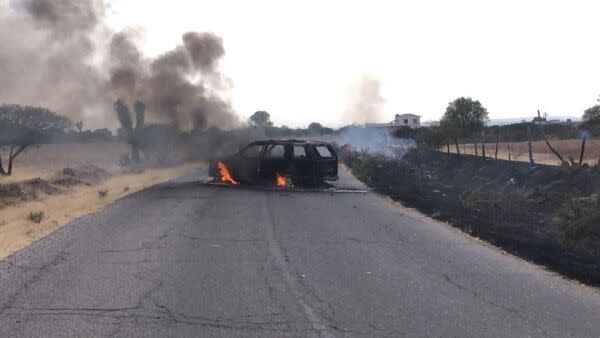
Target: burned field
[547,214]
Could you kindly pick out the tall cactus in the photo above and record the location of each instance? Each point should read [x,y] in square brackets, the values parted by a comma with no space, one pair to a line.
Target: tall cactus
[124,116]
[140,109]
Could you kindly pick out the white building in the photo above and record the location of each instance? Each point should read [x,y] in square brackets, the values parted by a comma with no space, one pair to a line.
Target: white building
[400,120]
[410,120]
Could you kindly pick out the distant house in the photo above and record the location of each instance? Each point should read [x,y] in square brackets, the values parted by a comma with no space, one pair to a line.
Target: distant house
[400,120]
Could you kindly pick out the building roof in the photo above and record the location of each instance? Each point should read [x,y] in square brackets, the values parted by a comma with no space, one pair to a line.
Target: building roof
[407,115]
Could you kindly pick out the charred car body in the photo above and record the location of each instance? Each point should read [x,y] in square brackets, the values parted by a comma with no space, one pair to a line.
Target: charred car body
[282,162]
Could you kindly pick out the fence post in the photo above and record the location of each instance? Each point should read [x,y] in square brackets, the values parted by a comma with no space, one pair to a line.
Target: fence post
[560,158]
[582,150]
[530,146]
[457,148]
[483,143]
[496,154]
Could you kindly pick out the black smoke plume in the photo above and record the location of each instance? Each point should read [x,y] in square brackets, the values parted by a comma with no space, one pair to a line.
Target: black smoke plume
[61,54]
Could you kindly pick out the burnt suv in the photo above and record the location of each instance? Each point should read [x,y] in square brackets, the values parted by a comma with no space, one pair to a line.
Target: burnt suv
[295,161]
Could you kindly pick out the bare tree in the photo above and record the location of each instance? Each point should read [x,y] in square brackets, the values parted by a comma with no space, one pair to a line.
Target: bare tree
[79,126]
[23,126]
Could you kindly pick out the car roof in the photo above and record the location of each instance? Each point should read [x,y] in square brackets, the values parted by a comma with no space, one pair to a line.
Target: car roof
[292,142]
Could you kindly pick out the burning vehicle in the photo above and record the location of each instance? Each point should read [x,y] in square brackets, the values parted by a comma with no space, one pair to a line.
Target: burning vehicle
[279,162]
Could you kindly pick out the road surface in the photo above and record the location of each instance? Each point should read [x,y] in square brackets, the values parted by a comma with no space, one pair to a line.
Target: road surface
[187,259]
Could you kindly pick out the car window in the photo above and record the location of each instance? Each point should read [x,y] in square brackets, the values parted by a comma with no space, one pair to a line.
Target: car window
[323,151]
[299,152]
[275,151]
[252,151]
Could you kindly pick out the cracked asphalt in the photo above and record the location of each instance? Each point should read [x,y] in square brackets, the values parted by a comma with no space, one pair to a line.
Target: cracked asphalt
[187,259]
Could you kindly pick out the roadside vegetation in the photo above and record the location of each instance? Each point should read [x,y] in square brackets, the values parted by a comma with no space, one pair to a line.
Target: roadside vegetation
[548,214]
[543,213]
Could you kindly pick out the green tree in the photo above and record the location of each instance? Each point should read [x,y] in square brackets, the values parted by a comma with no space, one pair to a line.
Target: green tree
[592,114]
[23,126]
[261,119]
[465,113]
[463,117]
[315,128]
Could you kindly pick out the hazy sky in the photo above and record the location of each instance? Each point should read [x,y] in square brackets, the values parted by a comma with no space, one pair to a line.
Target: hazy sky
[300,60]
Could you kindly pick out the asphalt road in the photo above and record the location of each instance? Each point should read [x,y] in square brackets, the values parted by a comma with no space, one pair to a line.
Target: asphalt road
[186,259]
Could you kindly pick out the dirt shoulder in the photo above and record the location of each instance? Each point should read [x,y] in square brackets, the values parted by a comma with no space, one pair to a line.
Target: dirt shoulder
[66,196]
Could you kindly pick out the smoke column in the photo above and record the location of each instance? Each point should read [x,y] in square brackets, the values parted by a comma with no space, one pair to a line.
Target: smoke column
[60,54]
[366,102]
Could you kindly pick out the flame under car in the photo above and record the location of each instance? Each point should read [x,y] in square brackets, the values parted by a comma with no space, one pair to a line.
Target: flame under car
[278,162]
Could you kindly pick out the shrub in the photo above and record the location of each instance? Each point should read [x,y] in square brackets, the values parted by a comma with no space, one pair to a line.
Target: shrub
[504,204]
[124,161]
[579,218]
[102,193]
[36,216]
[347,155]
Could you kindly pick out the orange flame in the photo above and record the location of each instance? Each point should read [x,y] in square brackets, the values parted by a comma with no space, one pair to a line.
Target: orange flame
[280,180]
[224,173]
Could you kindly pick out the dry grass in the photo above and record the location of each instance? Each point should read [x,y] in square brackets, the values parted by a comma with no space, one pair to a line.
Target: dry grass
[17,231]
[541,153]
[45,160]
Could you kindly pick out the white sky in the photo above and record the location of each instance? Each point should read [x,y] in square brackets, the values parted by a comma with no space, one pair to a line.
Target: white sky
[299,59]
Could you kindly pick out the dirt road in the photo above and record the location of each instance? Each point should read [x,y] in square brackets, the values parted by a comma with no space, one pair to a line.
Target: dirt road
[186,259]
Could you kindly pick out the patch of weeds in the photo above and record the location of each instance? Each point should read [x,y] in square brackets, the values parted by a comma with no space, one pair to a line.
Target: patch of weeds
[125,160]
[578,219]
[466,200]
[126,188]
[573,168]
[504,204]
[36,216]
[102,193]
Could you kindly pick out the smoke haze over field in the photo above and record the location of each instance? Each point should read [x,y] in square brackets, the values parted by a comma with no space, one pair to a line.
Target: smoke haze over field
[375,141]
[60,54]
